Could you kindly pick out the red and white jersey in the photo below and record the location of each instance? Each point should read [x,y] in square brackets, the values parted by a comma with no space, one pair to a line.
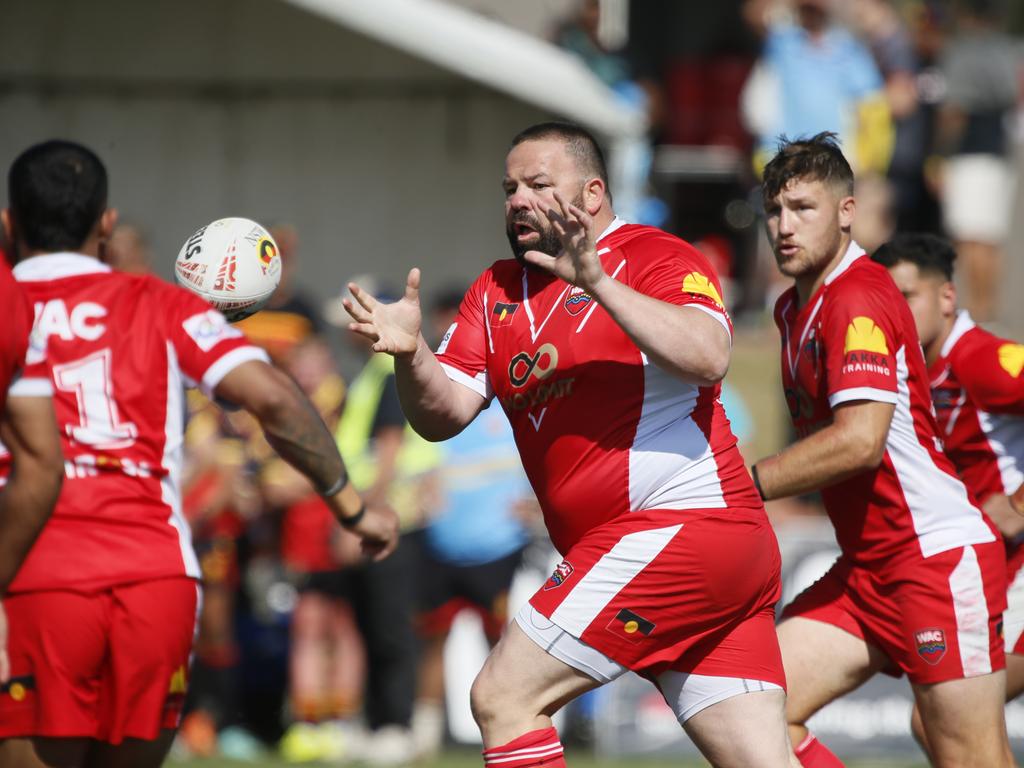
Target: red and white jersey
[979,400]
[120,350]
[855,340]
[18,343]
[601,430]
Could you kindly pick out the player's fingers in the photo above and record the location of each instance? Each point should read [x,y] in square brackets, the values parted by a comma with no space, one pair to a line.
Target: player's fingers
[364,298]
[582,216]
[412,285]
[358,314]
[540,259]
[367,330]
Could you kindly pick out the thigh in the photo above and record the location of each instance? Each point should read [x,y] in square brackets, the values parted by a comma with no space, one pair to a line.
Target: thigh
[1014,676]
[151,633]
[747,731]
[43,698]
[964,720]
[43,752]
[131,753]
[822,662]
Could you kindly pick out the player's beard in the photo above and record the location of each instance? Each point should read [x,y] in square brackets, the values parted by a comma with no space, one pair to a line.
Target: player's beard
[549,241]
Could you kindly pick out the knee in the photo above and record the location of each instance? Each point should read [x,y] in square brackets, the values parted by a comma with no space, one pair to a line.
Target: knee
[485,698]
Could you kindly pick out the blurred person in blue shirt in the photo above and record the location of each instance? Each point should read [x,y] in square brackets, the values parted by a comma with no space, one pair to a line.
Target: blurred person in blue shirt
[472,546]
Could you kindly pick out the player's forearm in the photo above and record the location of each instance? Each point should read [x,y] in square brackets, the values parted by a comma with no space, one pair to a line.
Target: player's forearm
[1000,511]
[434,404]
[686,342]
[25,505]
[825,458]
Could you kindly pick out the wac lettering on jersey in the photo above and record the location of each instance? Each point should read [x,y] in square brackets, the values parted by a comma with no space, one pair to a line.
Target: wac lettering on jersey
[82,322]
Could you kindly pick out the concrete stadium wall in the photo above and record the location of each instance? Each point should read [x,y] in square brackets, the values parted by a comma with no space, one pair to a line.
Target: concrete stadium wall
[211,108]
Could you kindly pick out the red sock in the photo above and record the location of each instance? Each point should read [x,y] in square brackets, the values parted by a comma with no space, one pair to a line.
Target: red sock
[531,750]
[813,754]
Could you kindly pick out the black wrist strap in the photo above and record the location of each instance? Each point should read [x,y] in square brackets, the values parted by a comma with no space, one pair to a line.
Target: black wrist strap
[757,482]
[353,521]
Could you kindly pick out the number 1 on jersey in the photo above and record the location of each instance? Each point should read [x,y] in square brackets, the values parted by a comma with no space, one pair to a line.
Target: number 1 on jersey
[99,424]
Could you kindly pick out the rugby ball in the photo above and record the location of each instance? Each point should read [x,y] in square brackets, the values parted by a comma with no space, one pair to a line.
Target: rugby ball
[233,263]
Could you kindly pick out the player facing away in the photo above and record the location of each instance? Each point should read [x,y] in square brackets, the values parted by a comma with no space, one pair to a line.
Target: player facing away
[103,609]
[919,588]
[604,343]
[28,441]
[978,395]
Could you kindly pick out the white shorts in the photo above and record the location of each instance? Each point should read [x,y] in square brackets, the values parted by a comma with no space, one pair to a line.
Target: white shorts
[685,693]
[977,198]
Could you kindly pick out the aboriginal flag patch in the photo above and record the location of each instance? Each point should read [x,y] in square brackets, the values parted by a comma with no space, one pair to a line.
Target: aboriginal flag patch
[631,626]
[502,313]
[18,687]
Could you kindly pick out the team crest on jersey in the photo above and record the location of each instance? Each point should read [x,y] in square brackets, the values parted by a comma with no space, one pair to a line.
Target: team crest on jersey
[561,574]
[18,687]
[631,625]
[577,300]
[697,284]
[1011,359]
[502,313]
[931,645]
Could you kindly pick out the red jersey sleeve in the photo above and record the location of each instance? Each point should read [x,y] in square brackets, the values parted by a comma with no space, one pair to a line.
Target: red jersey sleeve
[23,371]
[990,369]
[463,350]
[861,338]
[673,271]
[208,347]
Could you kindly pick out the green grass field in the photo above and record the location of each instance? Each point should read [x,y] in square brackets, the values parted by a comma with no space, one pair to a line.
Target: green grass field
[471,759]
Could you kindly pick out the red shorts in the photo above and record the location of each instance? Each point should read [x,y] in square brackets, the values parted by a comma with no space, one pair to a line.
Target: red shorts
[936,618]
[106,665]
[1013,619]
[684,590]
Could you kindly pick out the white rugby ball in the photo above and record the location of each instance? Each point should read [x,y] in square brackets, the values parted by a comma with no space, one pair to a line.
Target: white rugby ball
[233,263]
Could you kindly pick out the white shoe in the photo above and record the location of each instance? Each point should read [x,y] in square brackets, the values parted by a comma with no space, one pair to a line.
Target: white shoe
[391,745]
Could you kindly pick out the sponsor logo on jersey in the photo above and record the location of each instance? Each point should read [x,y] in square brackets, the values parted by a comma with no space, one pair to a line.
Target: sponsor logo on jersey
[502,313]
[931,644]
[539,365]
[1011,358]
[561,574]
[267,253]
[446,339]
[630,624]
[208,329]
[697,284]
[226,271]
[18,687]
[863,335]
[577,300]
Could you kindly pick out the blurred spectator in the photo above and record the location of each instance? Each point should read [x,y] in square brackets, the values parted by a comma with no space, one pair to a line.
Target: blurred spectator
[389,464]
[128,250]
[973,135]
[290,317]
[471,546]
[814,76]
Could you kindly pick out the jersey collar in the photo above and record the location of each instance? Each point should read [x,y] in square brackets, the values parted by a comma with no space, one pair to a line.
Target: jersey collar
[853,252]
[53,266]
[616,224]
[963,324]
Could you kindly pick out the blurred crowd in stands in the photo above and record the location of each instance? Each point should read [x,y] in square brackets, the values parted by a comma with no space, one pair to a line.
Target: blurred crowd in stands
[302,644]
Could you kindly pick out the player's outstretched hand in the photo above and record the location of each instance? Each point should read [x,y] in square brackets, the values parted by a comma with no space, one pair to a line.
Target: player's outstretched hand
[378,531]
[5,661]
[578,263]
[393,328]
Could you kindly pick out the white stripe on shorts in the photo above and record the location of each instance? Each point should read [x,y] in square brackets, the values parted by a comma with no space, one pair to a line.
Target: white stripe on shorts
[1013,619]
[971,610]
[616,568]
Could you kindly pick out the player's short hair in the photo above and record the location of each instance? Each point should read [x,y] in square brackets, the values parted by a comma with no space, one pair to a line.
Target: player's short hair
[929,253]
[579,142]
[818,158]
[57,191]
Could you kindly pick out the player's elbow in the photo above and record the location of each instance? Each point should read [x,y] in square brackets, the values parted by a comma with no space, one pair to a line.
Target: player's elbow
[866,450]
[276,400]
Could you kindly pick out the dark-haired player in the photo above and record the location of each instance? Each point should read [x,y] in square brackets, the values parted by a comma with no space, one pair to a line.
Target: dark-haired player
[605,343]
[978,392]
[919,588]
[103,609]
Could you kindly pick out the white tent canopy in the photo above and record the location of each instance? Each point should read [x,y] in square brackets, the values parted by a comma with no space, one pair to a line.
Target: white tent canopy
[490,53]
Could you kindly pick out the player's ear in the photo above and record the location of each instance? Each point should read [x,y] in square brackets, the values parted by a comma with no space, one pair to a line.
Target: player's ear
[947,299]
[9,229]
[594,194]
[847,212]
[108,221]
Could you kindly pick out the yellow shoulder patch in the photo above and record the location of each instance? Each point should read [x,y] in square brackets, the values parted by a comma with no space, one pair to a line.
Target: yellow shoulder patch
[1011,358]
[697,283]
[862,335]
[179,682]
